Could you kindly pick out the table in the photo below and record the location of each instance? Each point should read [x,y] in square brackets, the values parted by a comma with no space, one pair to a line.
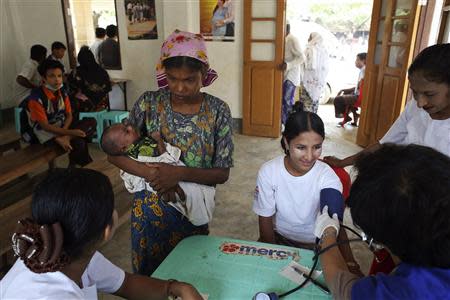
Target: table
[225,268]
[122,83]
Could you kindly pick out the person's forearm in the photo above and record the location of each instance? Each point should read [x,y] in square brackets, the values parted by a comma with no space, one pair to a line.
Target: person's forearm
[139,287]
[54,129]
[350,160]
[128,165]
[68,121]
[202,175]
[331,260]
[142,287]
[25,82]
[345,249]
[266,232]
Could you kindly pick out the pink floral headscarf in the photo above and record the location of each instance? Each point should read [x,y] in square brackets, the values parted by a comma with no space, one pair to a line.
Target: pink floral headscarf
[182,43]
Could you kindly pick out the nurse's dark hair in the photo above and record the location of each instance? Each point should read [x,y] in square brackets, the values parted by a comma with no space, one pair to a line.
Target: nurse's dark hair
[434,63]
[81,200]
[300,121]
[178,62]
[401,198]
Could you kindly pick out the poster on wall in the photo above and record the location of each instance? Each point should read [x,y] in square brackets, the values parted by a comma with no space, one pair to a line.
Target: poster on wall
[217,20]
[141,19]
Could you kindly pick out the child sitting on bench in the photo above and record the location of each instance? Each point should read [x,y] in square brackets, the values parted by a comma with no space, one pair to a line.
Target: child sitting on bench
[47,116]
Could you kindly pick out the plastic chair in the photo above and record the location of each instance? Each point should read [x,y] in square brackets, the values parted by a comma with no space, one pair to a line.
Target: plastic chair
[115,116]
[97,115]
[17,111]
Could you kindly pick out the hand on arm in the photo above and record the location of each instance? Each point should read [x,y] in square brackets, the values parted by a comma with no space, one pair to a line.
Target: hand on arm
[350,160]
[143,287]
[166,176]
[327,229]
[266,232]
[61,131]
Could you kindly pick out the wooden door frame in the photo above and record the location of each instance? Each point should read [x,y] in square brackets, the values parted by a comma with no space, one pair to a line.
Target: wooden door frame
[275,129]
[444,17]
[70,37]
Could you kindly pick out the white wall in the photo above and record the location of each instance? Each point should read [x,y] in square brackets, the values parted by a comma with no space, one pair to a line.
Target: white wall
[139,57]
[227,59]
[40,21]
[24,23]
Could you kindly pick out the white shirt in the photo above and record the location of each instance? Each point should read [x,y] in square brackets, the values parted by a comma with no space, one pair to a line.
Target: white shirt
[95,45]
[362,72]
[294,59]
[30,72]
[415,126]
[293,201]
[199,204]
[100,275]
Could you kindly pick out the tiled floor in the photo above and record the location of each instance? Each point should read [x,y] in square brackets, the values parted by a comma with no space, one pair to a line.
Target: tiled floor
[233,215]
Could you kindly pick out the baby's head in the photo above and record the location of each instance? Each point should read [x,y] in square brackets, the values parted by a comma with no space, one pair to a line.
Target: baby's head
[117,138]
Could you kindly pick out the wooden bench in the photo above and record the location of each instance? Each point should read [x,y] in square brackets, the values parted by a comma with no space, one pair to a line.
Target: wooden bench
[22,208]
[9,141]
[26,160]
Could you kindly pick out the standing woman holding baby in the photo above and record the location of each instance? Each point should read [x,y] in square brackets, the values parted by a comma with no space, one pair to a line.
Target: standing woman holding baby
[197,123]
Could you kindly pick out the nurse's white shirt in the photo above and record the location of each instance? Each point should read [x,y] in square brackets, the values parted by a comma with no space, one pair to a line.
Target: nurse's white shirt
[293,201]
[100,275]
[415,126]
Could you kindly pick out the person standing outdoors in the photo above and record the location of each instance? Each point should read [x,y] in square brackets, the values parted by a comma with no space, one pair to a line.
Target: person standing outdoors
[292,66]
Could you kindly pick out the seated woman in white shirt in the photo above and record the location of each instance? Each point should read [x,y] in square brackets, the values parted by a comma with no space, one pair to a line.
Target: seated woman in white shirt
[290,187]
[72,215]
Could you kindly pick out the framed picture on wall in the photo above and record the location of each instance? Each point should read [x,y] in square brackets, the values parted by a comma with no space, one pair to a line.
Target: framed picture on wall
[141,19]
[217,20]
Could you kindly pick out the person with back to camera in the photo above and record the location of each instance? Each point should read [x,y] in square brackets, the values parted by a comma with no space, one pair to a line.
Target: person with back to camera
[109,49]
[197,123]
[100,34]
[315,73]
[72,216]
[424,121]
[290,187]
[89,84]
[400,199]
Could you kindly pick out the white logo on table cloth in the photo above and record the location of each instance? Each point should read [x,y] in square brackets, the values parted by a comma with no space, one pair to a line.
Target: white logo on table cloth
[272,253]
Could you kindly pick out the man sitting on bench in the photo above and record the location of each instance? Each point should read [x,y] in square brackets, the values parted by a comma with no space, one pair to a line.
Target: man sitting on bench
[48,118]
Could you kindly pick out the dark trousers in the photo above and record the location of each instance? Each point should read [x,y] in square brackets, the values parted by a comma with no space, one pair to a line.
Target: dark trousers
[79,155]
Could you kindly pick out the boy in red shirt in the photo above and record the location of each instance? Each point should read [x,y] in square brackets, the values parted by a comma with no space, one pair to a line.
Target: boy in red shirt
[50,116]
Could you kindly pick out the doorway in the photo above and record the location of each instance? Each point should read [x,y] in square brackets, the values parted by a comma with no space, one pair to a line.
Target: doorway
[344,27]
[81,20]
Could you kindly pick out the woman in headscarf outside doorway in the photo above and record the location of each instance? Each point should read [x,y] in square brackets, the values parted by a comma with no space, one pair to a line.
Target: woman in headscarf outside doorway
[315,74]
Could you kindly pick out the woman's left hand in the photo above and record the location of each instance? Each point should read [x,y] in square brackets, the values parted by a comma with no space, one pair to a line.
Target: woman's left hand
[165,177]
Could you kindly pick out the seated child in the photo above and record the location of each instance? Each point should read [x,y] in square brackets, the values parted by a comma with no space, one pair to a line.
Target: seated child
[121,139]
[47,116]
[72,216]
[346,99]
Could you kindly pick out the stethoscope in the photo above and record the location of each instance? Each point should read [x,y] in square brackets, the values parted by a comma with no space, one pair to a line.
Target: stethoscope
[362,237]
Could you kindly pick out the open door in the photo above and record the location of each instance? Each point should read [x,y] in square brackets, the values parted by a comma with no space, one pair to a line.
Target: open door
[263,54]
[391,46]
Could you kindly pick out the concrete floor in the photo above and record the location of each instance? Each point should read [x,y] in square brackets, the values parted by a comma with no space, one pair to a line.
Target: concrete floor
[233,214]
